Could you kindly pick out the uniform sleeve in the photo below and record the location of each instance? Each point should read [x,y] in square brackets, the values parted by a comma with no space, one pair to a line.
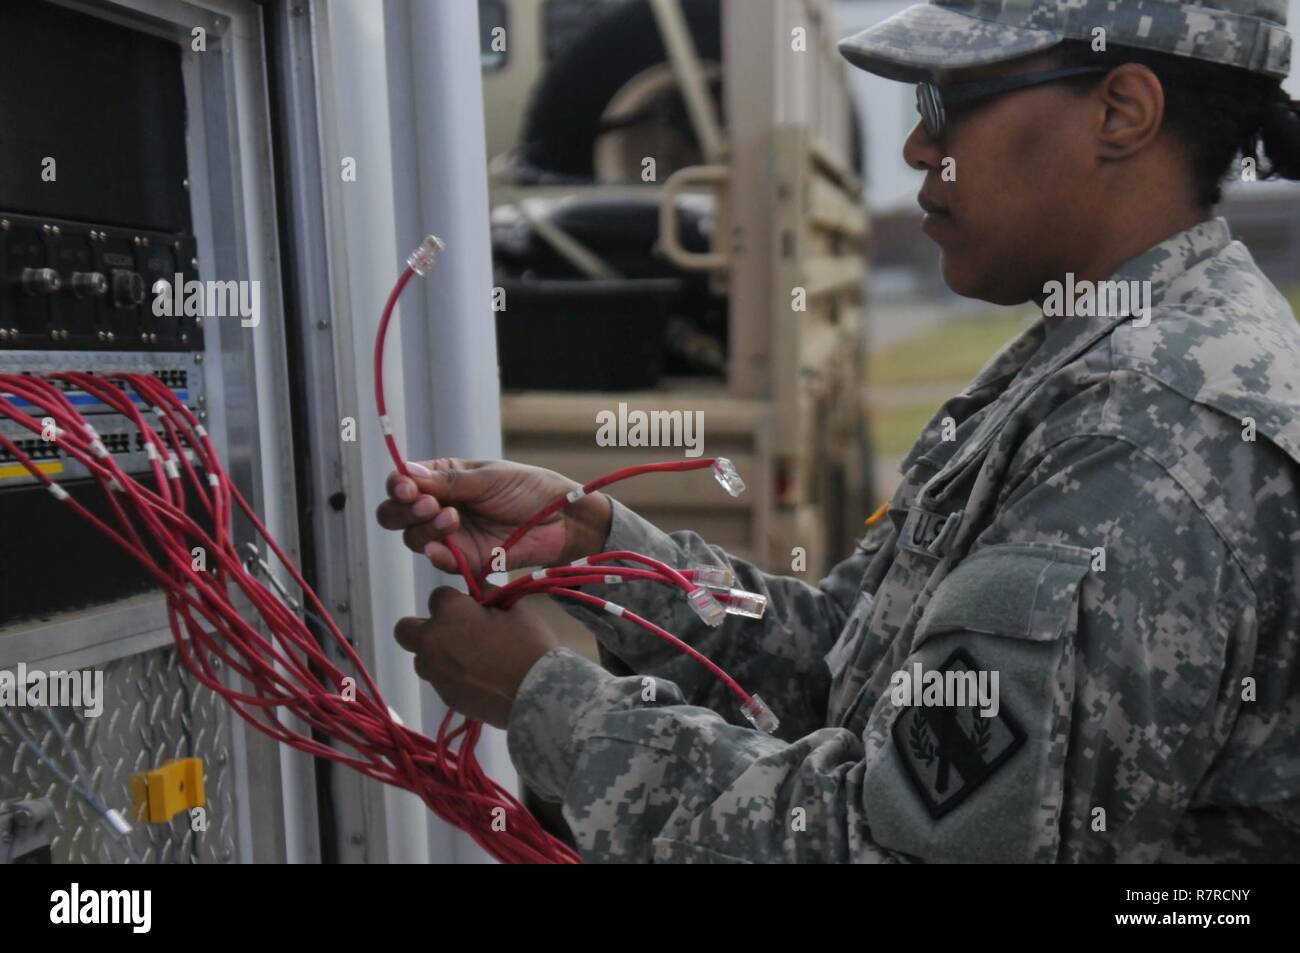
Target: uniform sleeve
[781,656]
[667,782]
[1115,689]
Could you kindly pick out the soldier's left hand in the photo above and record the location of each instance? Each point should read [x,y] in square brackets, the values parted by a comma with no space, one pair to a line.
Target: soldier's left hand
[473,656]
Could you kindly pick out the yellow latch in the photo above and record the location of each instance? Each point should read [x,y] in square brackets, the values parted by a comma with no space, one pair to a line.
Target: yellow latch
[162,793]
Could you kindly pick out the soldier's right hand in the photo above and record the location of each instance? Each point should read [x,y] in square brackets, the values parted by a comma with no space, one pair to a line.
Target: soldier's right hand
[479,503]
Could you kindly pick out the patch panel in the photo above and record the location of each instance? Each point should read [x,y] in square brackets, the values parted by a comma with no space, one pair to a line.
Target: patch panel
[175,379]
[34,447]
[121,440]
[25,510]
[89,404]
[181,373]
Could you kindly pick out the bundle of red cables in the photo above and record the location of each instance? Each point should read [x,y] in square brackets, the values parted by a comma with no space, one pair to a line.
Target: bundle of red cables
[286,670]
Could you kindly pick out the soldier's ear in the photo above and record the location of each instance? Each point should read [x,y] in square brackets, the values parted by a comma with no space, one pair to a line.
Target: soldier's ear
[1132,108]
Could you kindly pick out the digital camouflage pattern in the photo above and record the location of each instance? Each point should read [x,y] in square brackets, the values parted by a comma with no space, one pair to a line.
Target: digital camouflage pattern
[1150,705]
[957,34]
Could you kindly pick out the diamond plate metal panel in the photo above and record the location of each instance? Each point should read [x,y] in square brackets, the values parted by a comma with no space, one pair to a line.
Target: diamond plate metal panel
[153,712]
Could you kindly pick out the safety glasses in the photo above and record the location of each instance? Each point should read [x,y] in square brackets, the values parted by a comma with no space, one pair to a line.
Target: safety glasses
[935,102]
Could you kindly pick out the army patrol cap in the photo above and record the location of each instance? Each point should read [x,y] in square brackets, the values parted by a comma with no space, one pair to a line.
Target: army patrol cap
[956,34]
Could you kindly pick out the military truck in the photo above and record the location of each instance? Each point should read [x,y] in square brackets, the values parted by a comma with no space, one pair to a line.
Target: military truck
[678,225]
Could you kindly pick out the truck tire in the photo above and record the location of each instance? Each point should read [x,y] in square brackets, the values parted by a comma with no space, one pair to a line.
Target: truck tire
[564,113]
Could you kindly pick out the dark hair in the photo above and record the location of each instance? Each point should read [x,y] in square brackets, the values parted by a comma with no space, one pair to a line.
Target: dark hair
[1220,111]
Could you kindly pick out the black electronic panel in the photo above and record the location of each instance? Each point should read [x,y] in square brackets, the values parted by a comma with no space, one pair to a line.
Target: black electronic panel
[73,286]
[92,120]
[43,541]
[95,228]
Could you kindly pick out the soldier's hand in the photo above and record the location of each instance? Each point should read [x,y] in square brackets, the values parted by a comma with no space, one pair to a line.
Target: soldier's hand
[480,503]
[473,656]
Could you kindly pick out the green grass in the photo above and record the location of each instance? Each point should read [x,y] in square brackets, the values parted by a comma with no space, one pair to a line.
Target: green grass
[948,357]
[894,431]
[955,352]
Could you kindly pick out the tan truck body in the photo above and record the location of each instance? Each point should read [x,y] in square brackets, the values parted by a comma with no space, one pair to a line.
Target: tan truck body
[788,250]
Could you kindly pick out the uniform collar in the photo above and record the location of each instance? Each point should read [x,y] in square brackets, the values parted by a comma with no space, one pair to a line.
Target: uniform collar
[1161,265]
[1036,352]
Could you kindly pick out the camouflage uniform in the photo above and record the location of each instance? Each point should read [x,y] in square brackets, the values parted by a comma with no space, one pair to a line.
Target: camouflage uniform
[1121,688]
[1114,528]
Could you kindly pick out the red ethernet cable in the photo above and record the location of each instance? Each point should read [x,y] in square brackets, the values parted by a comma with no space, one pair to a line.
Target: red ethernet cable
[710,608]
[286,670]
[285,666]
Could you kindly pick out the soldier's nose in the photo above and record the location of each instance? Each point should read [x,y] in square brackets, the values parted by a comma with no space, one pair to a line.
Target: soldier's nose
[920,151]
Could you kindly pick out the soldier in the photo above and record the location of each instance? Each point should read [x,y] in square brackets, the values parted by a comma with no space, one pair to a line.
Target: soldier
[1113,530]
